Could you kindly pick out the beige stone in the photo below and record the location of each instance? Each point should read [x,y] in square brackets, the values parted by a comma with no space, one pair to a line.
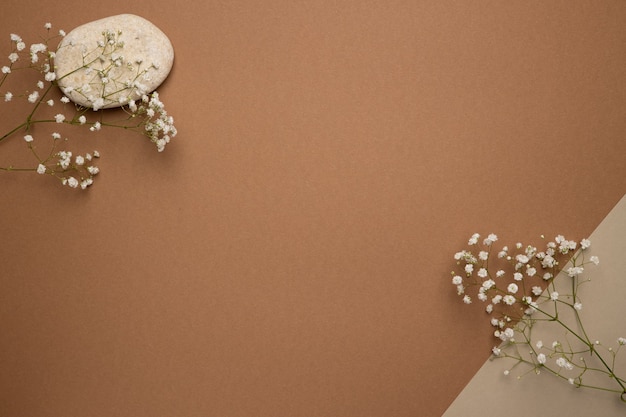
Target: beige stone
[108,62]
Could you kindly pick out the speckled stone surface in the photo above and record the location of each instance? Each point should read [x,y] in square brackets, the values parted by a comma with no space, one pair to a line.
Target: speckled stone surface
[108,62]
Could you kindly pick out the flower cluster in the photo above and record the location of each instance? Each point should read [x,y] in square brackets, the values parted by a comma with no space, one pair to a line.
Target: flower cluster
[517,286]
[47,101]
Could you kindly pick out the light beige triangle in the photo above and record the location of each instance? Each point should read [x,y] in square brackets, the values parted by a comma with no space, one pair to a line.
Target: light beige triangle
[491,393]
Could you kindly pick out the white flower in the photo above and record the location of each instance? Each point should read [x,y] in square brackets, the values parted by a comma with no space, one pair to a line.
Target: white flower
[518,276]
[490,239]
[48,26]
[539,344]
[482,297]
[508,300]
[80,160]
[488,284]
[96,126]
[496,299]
[59,118]
[96,154]
[496,351]
[563,363]
[483,255]
[554,296]
[530,271]
[537,290]
[457,280]
[474,239]
[32,97]
[547,276]
[28,138]
[575,270]
[500,273]
[482,272]
[72,182]
[93,170]
[578,306]
[523,259]
[82,120]
[469,268]
[489,308]
[467,299]
[621,340]
[50,76]
[40,84]
[56,135]
[20,46]
[50,102]
[86,183]
[585,243]
[65,100]
[6,70]
[61,32]
[512,288]
[541,358]
[41,169]
[595,260]
[8,96]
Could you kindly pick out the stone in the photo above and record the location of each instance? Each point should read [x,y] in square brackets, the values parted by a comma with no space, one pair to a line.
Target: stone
[109,62]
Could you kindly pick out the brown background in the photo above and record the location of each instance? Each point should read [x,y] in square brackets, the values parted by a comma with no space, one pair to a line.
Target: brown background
[289,253]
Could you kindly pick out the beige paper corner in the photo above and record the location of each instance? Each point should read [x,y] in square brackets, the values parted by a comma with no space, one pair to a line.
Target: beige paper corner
[490,391]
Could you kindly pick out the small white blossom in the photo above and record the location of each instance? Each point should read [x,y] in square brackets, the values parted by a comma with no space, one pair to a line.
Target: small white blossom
[575,271]
[72,182]
[482,273]
[554,296]
[595,260]
[59,118]
[578,306]
[28,138]
[80,160]
[518,276]
[6,70]
[508,300]
[65,100]
[512,288]
[467,299]
[474,239]
[8,96]
[50,102]
[41,169]
[537,290]
[541,358]
[585,243]
[32,97]
[457,280]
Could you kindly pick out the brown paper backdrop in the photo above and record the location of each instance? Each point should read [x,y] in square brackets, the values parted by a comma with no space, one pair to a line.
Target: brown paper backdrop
[289,253]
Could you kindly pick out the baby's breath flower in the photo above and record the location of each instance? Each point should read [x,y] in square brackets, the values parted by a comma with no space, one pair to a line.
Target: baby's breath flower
[59,118]
[474,239]
[32,97]
[8,96]
[595,260]
[467,299]
[578,306]
[6,70]
[41,169]
[575,271]
[28,138]
[512,288]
